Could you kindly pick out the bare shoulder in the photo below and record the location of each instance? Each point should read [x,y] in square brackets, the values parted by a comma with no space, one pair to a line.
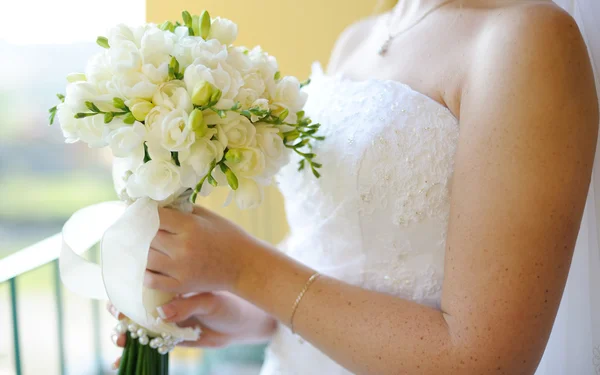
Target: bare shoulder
[348,40]
[532,49]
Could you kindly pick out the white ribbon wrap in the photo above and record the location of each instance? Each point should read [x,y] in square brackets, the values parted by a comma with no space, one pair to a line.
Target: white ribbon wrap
[125,233]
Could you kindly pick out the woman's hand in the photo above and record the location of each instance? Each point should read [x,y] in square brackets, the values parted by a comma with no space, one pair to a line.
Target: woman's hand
[224,319]
[197,252]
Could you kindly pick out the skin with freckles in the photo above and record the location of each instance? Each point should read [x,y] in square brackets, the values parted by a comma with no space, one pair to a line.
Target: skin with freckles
[517,76]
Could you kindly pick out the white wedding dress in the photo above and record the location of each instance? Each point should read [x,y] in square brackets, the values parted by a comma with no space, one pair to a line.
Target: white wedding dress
[378,216]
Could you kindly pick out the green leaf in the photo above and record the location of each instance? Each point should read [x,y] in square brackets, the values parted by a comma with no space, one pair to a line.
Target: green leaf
[302,164]
[61,97]
[102,42]
[129,119]
[301,143]
[167,26]
[92,107]
[231,177]
[108,117]
[317,165]
[84,115]
[146,154]
[305,83]
[319,138]
[236,106]
[246,114]
[205,25]
[316,173]
[277,75]
[52,111]
[222,113]
[120,104]
[175,156]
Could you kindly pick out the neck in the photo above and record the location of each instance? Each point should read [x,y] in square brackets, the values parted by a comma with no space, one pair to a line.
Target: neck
[406,9]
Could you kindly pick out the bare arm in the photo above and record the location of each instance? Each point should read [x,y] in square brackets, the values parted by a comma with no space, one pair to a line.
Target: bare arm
[528,131]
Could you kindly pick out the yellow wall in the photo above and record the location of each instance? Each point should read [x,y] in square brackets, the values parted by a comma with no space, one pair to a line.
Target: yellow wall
[296,32]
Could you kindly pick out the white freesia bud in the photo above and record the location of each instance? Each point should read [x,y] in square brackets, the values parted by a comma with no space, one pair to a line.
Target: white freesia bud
[173,95]
[174,131]
[204,93]
[247,162]
[156,179]
[224,30]
[237,133]
[76,77]
[198,123]
[68,123]
[139,108]
[127,140]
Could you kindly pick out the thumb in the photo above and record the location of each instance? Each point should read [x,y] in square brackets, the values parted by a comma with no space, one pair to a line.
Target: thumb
[183,308]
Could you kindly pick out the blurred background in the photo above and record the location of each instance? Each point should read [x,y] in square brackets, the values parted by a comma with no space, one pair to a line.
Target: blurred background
[45,329]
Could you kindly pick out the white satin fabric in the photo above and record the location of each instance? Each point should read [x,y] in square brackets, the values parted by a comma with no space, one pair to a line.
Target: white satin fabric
[124,233]
[574,346]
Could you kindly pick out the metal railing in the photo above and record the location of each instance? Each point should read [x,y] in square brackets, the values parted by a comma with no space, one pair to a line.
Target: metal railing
[27,260]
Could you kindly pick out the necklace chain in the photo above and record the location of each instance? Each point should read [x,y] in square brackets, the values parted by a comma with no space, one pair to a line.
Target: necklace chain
[385,46]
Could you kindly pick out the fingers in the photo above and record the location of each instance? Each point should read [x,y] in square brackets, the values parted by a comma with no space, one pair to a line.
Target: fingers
[171,220]
[181,309]
[116,364]
[208,339]
[163,241]
[157,281]
[158,262]
[114,312]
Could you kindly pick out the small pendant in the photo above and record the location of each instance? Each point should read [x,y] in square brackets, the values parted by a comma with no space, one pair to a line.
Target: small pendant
[385,46]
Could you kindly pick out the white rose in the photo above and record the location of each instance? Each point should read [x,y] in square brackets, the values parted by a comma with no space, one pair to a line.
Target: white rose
[68,123]
[251,91]
[246,97]
[224,77]
[122,33]
[157,46]
[126,140]
[134,86]
[224,30]
[173,131]
[246,161]
[93,131]
[236,133]
[209,53]
[249,193]
[173,95]
[200,156]
[78,93]
[181,32]
[238,58]
[271,144]
[156,179]
[266,66]
[99,72]
[125,58]
[288,94]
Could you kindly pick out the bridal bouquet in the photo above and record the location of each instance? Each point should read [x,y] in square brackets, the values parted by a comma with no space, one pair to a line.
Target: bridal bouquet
[183,112]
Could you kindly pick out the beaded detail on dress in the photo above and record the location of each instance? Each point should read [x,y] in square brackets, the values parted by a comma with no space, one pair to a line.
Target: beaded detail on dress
[378,215]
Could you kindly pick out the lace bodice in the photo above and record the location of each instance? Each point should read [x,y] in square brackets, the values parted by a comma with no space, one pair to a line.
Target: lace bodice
[378,215]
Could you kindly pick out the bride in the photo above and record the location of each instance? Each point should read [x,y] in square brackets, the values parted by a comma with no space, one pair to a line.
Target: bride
[460,142]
